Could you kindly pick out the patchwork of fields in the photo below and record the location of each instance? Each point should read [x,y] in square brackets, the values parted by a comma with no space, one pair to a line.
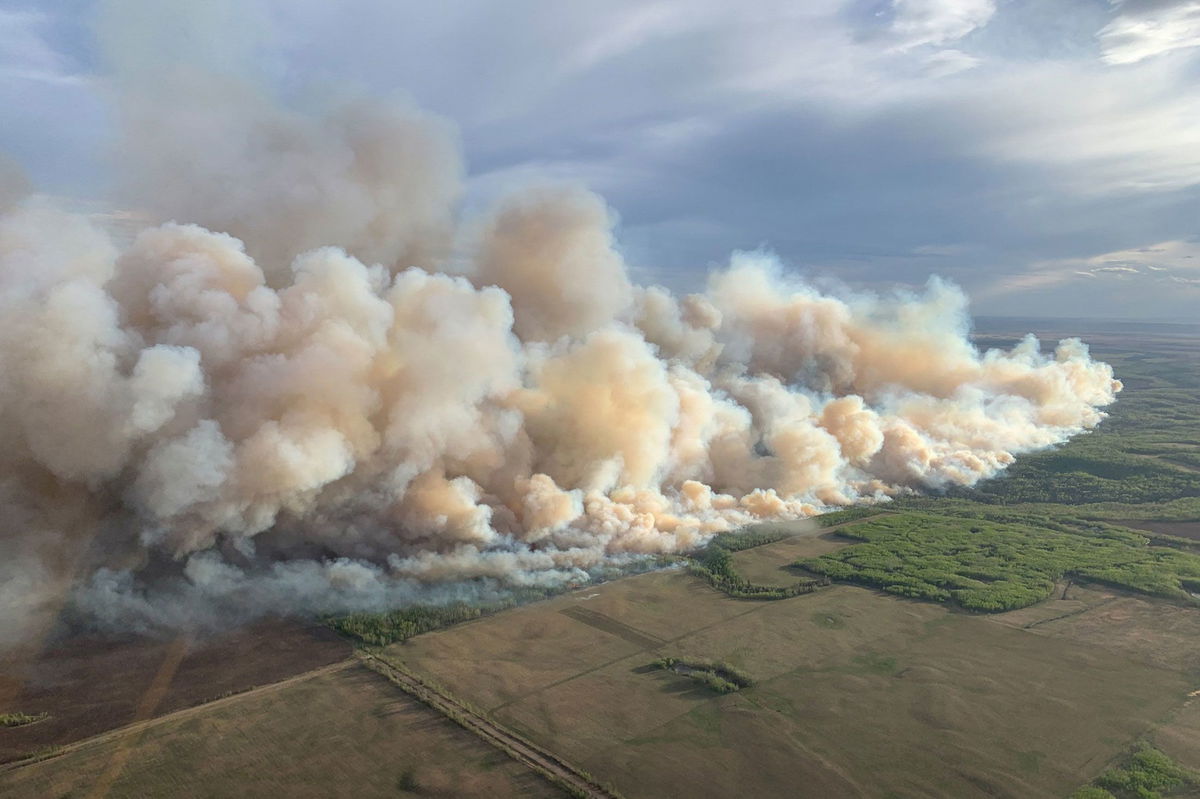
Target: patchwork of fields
[888,683]
[856,693]
[341,732]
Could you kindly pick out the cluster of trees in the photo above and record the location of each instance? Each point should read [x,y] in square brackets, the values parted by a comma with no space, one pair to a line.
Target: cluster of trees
[388,627]
[1146,774]
[715,565]
[995,566]
[380,629]
[718,676]
[19,719]
[1157,483]
[849,515]
[748,538]
[1147,451]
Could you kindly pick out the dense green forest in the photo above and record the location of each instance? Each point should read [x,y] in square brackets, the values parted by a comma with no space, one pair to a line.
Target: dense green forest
[1146,452]
[993,566]
[1065,512]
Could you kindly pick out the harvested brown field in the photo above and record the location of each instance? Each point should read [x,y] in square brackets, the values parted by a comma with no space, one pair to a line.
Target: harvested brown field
[856,693]
[342,732]
[1069,599]
[89,685]
[1158,633]
[1180,529]
[771,564]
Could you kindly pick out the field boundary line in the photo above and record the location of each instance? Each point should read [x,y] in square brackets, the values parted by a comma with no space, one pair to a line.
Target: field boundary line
[555,769]
[1077,612]
[607,624]
[139,727]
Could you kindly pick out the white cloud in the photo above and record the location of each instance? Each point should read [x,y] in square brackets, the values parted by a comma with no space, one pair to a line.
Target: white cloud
[1142,30]
[949,62]
[24,53]
[1173,261]
[1096,132]
[921,22]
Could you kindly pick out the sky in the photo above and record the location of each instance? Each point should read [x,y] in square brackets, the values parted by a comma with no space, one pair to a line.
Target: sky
[1042,154]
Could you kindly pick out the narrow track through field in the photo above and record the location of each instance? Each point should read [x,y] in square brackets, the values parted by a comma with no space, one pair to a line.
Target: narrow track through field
[520,749]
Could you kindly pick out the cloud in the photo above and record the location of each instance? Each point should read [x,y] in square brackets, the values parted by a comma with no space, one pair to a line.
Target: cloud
[24,52]
[1115,283]
[1096,132]
[949,62]
[1147,28]
[845,135]
[1168,256]
[922,22]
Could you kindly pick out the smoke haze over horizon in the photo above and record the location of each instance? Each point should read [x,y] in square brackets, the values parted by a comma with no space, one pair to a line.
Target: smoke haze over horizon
[311,383]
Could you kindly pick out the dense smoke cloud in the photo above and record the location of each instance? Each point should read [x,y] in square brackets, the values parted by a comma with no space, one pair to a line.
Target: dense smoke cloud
[334,395]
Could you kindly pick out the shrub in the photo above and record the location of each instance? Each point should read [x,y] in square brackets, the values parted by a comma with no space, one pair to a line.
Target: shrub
[1147,774]
[381,629]
[20,719]
[718,676]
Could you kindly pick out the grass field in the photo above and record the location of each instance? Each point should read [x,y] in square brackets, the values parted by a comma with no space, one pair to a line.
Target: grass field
[344,733]
[858,693]
[1086,557]
[87,685]
[855,693]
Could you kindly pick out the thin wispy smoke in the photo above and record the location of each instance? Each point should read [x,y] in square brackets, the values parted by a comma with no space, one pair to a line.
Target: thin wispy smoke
[335,394]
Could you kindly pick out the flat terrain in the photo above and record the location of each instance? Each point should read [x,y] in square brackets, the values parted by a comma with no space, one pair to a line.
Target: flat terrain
[343,732]
[857,693]
[771,564]
[1181,529]
[89,685]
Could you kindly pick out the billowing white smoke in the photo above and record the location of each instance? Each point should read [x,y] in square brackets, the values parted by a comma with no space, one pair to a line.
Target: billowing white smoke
[371,407]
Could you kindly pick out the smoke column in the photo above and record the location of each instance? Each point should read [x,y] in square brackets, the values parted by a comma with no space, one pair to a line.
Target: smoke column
[307,384]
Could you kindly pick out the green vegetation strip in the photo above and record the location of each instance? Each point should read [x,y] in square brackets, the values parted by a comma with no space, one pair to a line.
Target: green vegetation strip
[715,565]
[392,626]
[747,538]
[994,566]
[848,515]
[1146,774]
[20,719]
[719,677]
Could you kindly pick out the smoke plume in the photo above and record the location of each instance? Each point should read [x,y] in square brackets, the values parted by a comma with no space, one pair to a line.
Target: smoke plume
[308,385]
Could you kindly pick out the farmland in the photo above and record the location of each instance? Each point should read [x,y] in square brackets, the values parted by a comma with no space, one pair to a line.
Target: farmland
[1029,637]
[855,693]
[341,731]
[1088,645]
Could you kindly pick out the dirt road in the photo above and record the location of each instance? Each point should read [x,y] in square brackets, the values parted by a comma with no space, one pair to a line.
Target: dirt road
[526,752]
